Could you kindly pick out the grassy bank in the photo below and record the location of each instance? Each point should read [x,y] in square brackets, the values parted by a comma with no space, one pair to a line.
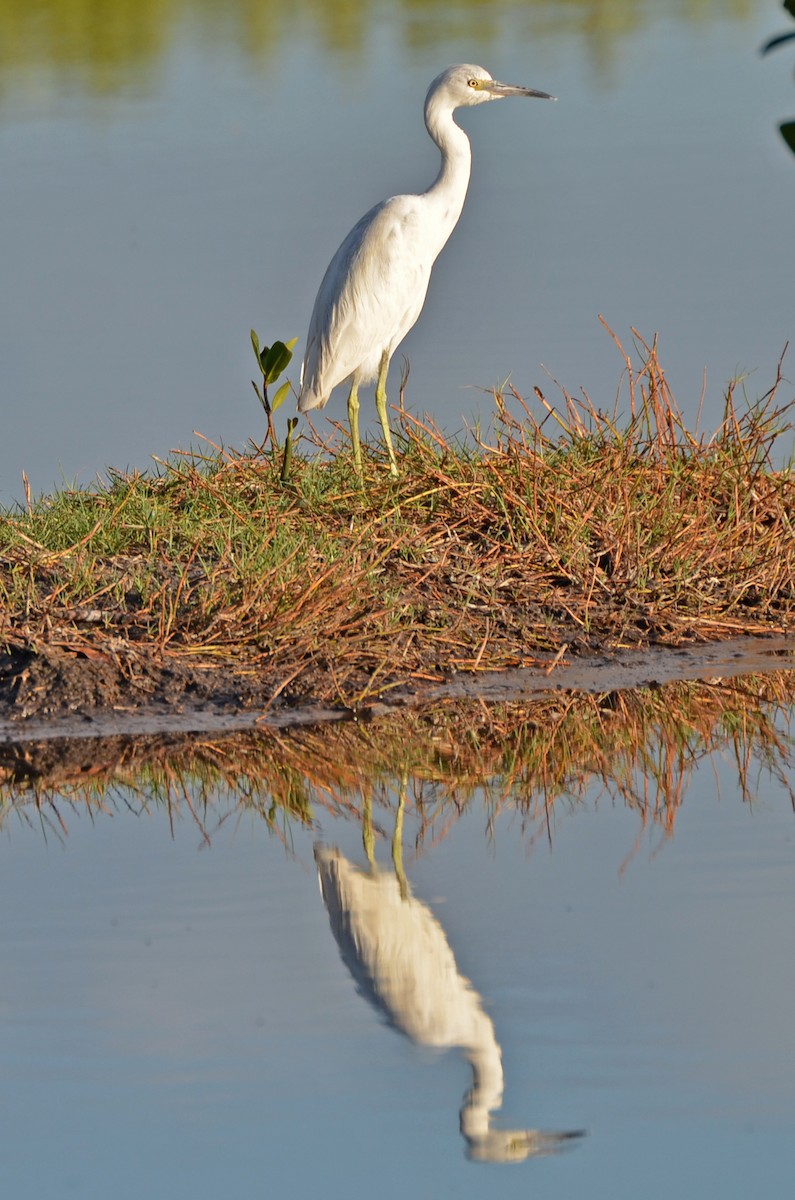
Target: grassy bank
[571,529]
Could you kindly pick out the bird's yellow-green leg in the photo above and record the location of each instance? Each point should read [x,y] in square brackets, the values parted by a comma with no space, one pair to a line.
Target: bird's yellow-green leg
[368,836]
[397,839]
[353,422]
[380,404]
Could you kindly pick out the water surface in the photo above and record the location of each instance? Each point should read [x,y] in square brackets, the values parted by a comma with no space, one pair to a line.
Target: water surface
[171,176]
[177,1016]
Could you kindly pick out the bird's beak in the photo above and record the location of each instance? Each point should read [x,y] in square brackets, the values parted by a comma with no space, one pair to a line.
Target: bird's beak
[500,90]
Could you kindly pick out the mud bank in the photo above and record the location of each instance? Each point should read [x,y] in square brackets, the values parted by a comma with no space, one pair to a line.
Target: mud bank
[54,698]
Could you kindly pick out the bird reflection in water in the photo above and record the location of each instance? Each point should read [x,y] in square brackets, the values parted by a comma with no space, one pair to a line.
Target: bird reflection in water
[400,959]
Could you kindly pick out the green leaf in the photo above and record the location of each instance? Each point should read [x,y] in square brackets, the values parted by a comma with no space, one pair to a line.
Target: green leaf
[280,396]
[260,353]
[778,41]
[790,7]
[288,450]
[275,361]
[788,134]
[256,345]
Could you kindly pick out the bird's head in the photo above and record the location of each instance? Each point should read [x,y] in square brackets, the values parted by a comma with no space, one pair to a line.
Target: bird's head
[466,84]
[516,1145]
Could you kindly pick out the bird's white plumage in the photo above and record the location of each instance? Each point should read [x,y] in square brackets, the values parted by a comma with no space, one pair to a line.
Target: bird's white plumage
[376,283]
[400,958]
[371,295]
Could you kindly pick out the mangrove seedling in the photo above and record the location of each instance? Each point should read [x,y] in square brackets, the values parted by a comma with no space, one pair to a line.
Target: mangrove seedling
[272,362]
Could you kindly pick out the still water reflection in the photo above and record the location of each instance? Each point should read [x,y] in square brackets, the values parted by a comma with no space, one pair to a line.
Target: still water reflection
[107,47]
[614,874]
[399,956]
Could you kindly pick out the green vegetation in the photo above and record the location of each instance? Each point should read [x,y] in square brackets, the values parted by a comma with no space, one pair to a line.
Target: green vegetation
[272,361]
[575,531]
[787,127]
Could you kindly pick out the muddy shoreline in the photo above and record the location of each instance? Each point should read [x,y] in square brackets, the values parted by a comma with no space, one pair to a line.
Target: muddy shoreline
[60,696]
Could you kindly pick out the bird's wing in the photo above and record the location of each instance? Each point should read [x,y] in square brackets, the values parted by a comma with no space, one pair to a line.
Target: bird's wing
[371,295]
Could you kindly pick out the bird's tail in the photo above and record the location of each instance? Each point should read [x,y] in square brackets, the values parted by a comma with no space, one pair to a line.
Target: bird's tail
[311,394]
[309,399]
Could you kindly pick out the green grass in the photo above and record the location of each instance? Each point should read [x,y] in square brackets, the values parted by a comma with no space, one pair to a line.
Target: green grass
[580,529]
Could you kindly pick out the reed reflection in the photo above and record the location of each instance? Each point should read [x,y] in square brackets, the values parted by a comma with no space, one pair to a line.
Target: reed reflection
[542,759]
[401,961]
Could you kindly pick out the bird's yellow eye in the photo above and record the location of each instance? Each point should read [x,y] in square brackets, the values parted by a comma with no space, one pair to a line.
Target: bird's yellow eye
[473,83]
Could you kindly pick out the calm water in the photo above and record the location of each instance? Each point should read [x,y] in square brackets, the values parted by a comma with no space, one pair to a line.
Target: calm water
[176,1015]
[172,175]
[177,1018]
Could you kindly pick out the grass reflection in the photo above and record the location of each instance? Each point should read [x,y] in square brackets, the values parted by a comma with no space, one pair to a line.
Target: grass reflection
[106,46]
[537,760]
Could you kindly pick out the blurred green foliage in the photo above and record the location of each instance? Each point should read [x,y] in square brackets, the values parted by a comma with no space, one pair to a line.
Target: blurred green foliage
[787,128]
[108,46]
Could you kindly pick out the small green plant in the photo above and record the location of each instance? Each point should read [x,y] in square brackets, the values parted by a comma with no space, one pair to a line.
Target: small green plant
[787,127]
[272,361]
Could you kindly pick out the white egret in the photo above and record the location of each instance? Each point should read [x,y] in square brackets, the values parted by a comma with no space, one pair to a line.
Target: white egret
[401,961]
[376,283]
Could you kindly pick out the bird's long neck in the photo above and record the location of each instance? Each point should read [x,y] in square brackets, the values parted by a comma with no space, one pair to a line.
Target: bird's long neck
[485,1095]
[448,191]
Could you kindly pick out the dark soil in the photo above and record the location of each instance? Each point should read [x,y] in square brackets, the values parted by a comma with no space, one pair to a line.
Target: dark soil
[59,692]
[58,680]
[58,683]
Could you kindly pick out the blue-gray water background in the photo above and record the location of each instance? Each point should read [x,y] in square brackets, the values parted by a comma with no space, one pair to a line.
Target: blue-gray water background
[175,173]
[176,1019]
